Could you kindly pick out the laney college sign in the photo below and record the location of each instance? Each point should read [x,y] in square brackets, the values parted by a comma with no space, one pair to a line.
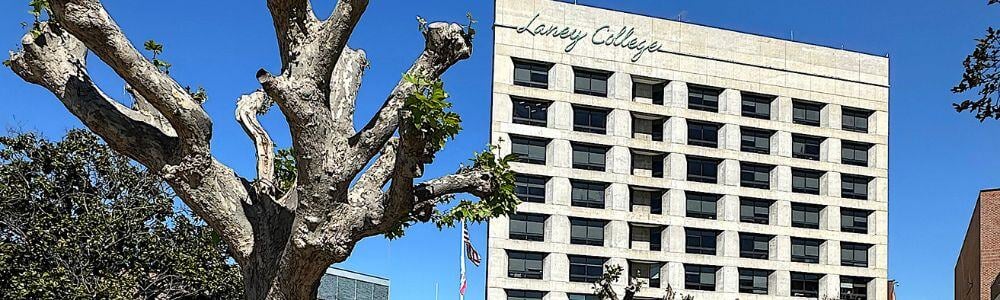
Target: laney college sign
[604,36]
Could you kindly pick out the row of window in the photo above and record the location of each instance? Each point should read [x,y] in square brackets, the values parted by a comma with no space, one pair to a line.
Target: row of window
[700,133]
[705,98]
[588,269]
[697,241]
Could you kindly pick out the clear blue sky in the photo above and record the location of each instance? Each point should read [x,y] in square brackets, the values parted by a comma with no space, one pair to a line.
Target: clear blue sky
[938,159]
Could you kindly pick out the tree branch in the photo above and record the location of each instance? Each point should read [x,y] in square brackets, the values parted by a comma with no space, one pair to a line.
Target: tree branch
[292,20]
[367,191]
[247,109]
[344,87]
[332,37]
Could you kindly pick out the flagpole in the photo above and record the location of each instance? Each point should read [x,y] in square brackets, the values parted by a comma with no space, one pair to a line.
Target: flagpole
[461,239]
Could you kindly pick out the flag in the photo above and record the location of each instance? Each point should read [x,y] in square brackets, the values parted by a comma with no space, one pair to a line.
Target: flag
[461,289]
[471,252]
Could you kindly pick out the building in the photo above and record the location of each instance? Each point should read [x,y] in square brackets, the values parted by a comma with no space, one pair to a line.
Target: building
[978,265]
[340,284]
[723,164]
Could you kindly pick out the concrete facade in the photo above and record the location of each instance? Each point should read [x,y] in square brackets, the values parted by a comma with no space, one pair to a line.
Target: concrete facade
[341,284]
[685,55]
[978,264]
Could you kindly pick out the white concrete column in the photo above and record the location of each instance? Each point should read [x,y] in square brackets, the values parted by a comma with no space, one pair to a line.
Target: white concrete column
[499,227]
[783,244]
[878,256]
[620,123]
[829,287]
[833,115]
[616,235]
[617,197]
[781,144]
[729,137]
[878,123]
[619,160]
[729,172]
[676,242]
[559,154]
[730,102]
[675,166]
[503,108]
[675,94]
[556,267]
[558,232]
[829,184]
[558,191]
[499,293]
[782,283]
[727,280]
[782,178]
[561,78]
[879,189]
[675,130]
[676,204]
[620,86]
[781,213]
[829,253]
[560,116]
[675,275]
[729,208]
[503,69]
[878,156]
[551,296]
[830,150]
[830,218]
[497,264]
[729,243]
[878,223]
[782,108]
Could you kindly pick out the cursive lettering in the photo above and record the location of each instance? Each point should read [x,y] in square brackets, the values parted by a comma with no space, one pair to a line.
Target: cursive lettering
[603,36]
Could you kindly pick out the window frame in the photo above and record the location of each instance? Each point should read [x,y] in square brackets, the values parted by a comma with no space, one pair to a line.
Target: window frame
[748,275]
[749,243]
[589,187]
[700,97]
[753,170]
[806,244]
[530,143]
[527,219]
[802,144]
[699,271]
[855,114]
[584,118]
[749,135]
[532,119]
[849,186]
[529,183]
[756,218]
[854,288]
[649,278]
[854,215]
[807,176]
[702,238]
[804,284]
[701,139]
[655,199]
[589,226]
[656,90]
[751,100]
[806,210]
[533,68]
[591,150]
[850,150]
[527,273]
[701,199]
[806,108]
[655,132]
[524,295]
[655,160]
[856,250]
[588,263]
[591,76]
[702,163]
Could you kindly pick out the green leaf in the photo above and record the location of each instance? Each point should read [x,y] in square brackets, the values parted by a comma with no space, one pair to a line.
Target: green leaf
[153,46]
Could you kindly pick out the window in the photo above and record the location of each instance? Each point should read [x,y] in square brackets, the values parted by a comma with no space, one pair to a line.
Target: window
[585,268]
[754,210]
[854,254]
[703,134]
[524,264]
[854,186]
[586,232]
[647,127]
[854,220]
[701,169]
[700,241]
[647,164]
[524,295]
[648,272]
[645,234]
[701,205]
[699,277]
[592,120]
[703,98]
[529,150]
[806,215]
[854,153]
[805,284]
[805,250]
[594,83]
[754,281]
[806,113]
[530,112]
[587,193]
[528,227]
[755,175]
[855,119]
[531,74]
[646,199]
[530,188]
[645,91]
[854,288]
[754,245]
[755,140]
[582,297]
[589,157]
[757,106]
[806,147]
[806,181]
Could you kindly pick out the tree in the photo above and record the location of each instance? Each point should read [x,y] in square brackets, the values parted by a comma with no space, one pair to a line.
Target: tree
[604,286]
[982,75]
[283,240]
[79,221]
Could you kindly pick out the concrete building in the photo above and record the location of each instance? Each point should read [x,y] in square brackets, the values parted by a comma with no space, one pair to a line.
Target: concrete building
[340,284]
[723,164]
[978,266]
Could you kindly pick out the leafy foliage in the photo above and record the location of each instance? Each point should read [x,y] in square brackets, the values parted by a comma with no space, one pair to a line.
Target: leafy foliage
[285,171]
[38,9]
[157,49]
[604,289]
[428,107]
[79,221]
[982,76]
[502,202]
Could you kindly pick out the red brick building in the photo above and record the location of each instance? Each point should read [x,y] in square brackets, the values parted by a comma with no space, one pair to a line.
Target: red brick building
[979,261]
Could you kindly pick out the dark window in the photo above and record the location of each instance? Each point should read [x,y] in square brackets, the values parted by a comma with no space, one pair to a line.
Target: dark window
[590,120]
[647,198]
[524,264]
[703,134]
[530,188]
[528,227]
[699,277]
[806,113]
[652,163]
[755,210]
[854,288]
[854,254]
[755,175]
[806,181]
[647,126]
[755,140]
[582,297]
[805,284]
[524,295]
[587,193]
[806,215]
[589,157]
[854,220]
[702,169]
[529,150]
[853,153]
[855,119]
[531,74]
[646,234]
[586,232]
[700,241]
[651,91]
[854,186]
[585,268]
[757,106]
[648,272]
[806,147]
[754,281]
[530,112]
[701,205]
[754,245]
[593,83]
[805,250]
[703,98]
